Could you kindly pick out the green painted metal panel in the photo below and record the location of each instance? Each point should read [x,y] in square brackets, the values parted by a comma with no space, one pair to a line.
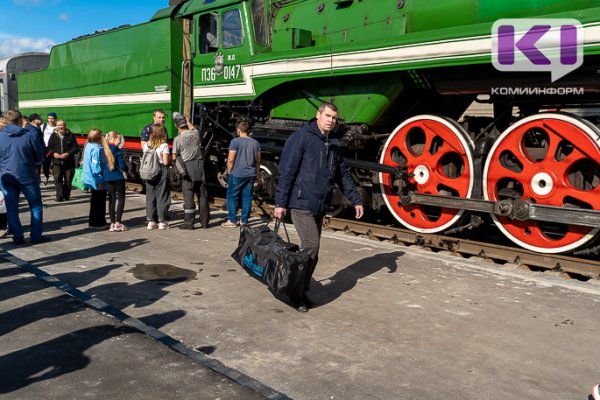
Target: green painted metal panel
[111,80]
[358,98]
[198,6]
[128,60]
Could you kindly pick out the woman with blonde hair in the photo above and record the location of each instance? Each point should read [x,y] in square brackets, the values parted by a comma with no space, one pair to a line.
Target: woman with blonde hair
[115,182]
[157,189]
[97,160]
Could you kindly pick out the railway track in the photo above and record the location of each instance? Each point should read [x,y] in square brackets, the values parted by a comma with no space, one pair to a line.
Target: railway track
[566,266]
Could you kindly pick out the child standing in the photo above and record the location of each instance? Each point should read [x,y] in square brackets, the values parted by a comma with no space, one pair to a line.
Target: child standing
[115,183]
[243,165]
[97,159]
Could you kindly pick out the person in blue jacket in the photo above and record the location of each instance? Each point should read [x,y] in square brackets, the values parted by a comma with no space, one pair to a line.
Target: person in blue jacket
[20,154]
[97,160]
[115,182]
[309,166]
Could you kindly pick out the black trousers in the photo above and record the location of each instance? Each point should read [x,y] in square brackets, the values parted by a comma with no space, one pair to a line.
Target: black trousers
[62,181]
[46,166]
[116,200]
[197,189]
[98,209]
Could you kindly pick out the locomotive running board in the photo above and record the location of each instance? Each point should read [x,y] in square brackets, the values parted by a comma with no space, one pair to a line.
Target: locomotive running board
[517,209]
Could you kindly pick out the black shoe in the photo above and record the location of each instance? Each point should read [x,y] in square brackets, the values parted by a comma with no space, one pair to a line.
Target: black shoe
[308,302]
[186,226]
[60,199]
[298,304]
[67,199]
[19,241]
[42,239]
[302,308]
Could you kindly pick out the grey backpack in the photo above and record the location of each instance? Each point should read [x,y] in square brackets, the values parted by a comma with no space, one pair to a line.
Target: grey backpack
[150,167]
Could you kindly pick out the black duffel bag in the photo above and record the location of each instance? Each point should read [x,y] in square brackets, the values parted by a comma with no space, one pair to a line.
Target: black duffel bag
[267,257]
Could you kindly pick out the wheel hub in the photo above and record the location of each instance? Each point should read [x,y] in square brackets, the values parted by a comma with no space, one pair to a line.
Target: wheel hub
[421,173]
[542,184]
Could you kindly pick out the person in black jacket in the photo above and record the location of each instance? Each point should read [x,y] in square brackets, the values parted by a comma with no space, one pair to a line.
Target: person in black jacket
[309,166]
[62,146]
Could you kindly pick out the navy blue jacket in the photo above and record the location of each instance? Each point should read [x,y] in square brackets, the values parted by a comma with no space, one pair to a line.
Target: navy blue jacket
[20,152]
[309,166]
[117,173]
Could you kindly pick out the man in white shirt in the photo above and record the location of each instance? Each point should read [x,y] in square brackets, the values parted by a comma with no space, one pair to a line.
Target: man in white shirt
[47,130]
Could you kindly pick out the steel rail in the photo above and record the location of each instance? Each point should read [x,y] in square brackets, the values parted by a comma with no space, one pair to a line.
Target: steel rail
[569,266]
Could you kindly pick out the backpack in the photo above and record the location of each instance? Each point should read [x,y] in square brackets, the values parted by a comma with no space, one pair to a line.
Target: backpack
[150,165]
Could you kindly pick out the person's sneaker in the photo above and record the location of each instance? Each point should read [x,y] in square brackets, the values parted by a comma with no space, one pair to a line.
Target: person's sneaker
[152,225]
[121,227]
[596,392]
[163,225]
[18,241]
[3,233]
[113,227]
[41,239]
[229,224]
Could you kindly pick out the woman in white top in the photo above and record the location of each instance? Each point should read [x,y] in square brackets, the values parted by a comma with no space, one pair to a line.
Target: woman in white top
[157,189]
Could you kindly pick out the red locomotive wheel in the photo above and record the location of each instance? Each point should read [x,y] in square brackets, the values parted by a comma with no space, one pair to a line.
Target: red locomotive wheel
[440,155]
[550,159]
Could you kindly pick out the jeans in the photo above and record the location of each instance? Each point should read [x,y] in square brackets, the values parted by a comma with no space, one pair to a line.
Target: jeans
[12,190]
[235,186]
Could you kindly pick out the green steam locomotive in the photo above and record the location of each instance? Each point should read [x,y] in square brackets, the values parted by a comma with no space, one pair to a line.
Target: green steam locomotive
[405,75]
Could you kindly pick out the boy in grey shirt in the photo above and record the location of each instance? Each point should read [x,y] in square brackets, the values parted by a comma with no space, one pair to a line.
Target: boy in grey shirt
[243,165]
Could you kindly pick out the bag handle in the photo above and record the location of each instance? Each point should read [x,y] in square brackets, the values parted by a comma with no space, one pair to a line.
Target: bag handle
[278,223]
[282,222]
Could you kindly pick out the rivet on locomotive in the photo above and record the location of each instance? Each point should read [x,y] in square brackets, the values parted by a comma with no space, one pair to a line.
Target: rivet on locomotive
[405,76]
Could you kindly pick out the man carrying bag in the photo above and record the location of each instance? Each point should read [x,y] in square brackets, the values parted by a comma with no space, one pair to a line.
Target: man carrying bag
[310,164]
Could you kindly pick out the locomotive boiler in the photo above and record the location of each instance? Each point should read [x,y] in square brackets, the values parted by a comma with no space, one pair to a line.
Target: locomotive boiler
[404,75]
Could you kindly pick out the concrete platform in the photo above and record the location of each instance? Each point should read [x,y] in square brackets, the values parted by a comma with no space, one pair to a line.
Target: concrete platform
[390,322]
